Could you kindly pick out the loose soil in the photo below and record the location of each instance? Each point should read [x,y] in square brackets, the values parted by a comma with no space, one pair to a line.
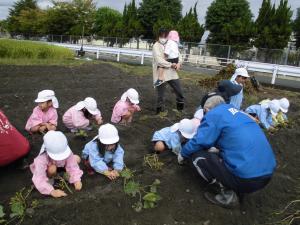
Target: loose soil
[104,202]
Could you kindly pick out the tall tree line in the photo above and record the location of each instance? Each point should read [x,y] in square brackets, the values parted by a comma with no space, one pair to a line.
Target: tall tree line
[230,22]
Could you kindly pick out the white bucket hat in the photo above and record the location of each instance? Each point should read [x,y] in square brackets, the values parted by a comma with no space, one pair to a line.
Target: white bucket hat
[108,134]
[186,127]
[56,145]
[90,104]
[46,95]
[133,96]
[240,72]
[284,105]
[274,106]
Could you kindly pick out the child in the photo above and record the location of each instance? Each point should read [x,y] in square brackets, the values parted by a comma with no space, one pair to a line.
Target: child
[265,113]
[103,150]
[174,137]
[55,153]
[281,117]
[171,54]
[79,115]
[44,116]
[239,77]
[126,107]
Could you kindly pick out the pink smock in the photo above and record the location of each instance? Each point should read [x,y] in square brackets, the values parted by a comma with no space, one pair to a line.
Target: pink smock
[38,116]
[39,170]
[121,108]
[75,119]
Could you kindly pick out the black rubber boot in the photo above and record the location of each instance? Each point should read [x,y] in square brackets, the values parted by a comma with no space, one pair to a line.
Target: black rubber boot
[180,106]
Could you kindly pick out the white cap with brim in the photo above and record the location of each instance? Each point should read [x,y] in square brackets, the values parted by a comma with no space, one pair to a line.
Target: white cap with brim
[47,95]
[90,104]
[274,107]
[186,127]
[132,95]
[284,105]
[56,145]
[108,134]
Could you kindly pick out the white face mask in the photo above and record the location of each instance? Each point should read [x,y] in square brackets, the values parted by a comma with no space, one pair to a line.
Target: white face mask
[162,40]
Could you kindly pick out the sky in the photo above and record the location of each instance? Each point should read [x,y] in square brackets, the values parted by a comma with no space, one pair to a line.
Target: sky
[119,4]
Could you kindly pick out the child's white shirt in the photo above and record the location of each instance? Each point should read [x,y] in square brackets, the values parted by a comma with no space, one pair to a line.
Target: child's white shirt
[172,50]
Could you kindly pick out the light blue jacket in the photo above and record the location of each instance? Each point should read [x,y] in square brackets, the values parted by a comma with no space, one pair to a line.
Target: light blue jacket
[263,113]
[99,162]
[237,100]
[171,139]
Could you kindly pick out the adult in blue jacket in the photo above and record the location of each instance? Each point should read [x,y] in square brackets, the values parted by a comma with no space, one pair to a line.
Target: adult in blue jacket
[246,161]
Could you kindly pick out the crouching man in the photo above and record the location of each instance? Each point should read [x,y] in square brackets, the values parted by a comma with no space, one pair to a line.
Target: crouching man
[245,163]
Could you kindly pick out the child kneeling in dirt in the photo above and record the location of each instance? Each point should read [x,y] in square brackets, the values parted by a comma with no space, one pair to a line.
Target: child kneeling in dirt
[281,117]
[264,113]
[78,116]
[174,137]
[55,154]
[103,150]
[126,107]
[44,116]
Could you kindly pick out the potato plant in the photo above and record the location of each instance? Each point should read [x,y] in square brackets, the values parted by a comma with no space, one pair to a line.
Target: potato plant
[147,195]
[20,207]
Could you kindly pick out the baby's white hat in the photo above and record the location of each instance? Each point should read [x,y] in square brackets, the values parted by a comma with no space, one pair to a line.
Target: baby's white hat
[90,104]
[186,127]
[56,145]
[46,95]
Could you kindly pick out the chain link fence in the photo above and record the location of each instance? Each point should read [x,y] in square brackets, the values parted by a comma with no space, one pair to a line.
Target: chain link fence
[211,54]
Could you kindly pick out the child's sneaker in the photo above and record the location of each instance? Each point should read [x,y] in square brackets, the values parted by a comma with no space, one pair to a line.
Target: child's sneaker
[158,83]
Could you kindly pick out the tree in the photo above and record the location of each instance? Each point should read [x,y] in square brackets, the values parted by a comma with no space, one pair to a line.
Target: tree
[31,22]
[189,27]
[85,17]
[274,26]
[19,6]
[60,18]
[153,13]
[296,28]
[229,22]
[108,23]
[132,26]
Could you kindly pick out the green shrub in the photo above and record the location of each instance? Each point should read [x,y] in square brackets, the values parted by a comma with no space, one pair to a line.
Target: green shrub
[16,49]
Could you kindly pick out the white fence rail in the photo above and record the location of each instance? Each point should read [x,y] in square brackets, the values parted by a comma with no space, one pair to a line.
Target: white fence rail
[274,69]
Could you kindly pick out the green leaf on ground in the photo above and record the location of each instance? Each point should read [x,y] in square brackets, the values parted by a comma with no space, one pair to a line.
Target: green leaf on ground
[132,188]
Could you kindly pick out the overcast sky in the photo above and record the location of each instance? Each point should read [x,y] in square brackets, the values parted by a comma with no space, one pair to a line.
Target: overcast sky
[119,4]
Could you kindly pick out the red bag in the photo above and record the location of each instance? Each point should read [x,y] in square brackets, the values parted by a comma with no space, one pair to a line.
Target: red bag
[13,145]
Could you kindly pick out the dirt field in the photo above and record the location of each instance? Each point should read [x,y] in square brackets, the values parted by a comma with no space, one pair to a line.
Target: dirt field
[104,202]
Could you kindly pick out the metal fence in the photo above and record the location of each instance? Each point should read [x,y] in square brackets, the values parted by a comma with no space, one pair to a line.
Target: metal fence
[215,54]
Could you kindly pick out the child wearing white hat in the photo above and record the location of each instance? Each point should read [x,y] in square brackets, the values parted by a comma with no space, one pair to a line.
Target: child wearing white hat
[104,154]
[281,117]
[265,112]
[126,107]
[239,77]
[174,137]
[55,153]
[44,116]
[79,116]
